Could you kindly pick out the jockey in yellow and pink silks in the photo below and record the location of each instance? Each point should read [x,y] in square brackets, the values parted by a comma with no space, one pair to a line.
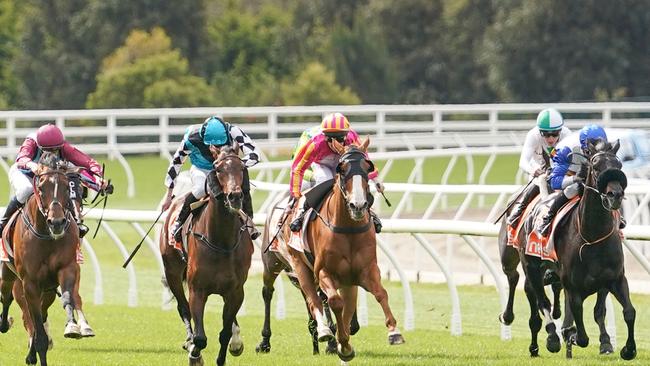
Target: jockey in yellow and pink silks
[318,154]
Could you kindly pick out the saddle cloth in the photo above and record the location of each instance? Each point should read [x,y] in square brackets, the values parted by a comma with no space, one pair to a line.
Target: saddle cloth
[544,247]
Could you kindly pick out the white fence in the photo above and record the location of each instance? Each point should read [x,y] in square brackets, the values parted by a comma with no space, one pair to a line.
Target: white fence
[470,232]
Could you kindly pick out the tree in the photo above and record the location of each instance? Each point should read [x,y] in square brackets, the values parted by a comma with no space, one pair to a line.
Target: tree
[9,27]
[316,85]
[64,41]
[146,72]
[553,50]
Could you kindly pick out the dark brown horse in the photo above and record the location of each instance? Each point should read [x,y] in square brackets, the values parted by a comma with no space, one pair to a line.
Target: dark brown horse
[219,256]
[274,264]
[45,242]
[590,252]
[344,246]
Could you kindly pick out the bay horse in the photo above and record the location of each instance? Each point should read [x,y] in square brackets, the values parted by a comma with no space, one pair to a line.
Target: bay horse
[590,252]
[45,242]
[219,251]
[344,246]
[274,264]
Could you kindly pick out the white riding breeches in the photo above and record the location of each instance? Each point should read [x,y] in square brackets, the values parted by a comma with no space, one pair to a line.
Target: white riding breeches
[198,176]
[572,190]
[21,184]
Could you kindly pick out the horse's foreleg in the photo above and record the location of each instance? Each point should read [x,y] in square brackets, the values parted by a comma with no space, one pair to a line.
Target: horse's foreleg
[197,302]
[230,331]
[575,302]
[599,317]
[534,278]
[306,280]
[39,338]
[621,291]
[6,297]
[47,300]
[331,344]
[557,290]
[509,263]
[267,295]
[67,279]
[86,329]
[336,303]
[371,282]
[174,277]
[535,321]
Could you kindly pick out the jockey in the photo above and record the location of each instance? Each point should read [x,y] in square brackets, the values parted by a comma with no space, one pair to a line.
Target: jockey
[50,138]
[540,139]
[196,143]
[317,153]
[566,168]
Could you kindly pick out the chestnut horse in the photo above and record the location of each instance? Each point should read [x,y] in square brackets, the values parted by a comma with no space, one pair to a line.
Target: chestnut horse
[344,246]
[219,256]
[274,264]
[45,242]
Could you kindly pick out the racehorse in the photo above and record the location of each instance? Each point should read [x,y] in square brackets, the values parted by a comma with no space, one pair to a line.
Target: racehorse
[45,242]
[274,264]
[344,246]
[589,248]
[219,251]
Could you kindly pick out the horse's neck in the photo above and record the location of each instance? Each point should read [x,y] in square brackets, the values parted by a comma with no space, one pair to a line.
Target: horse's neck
[222,228]
[595,220]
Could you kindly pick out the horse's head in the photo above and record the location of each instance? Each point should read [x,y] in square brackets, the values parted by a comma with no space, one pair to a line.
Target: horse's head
[52,194]
[605,174]
[225,181]
[353,169]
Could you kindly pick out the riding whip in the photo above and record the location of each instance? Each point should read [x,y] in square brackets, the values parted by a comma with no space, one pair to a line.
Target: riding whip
[137,247]
[514,200]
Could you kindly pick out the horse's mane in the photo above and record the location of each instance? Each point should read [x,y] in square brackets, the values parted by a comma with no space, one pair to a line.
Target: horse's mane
[51,160]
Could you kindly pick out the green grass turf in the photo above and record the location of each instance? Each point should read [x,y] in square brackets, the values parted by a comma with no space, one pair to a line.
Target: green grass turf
[147,335]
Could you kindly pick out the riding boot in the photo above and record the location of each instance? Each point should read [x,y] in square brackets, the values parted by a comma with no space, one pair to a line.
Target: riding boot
[520,206]
[376,221]
[296,224]
[182,216]
[12,207]
[558,202]
[622,223]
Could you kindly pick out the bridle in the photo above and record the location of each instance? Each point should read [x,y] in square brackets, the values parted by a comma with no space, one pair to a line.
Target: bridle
[352,156]
[605,200]
[44,211]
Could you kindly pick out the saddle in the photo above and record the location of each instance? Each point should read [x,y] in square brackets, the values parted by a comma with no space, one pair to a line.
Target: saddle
[544,247]
[7,247]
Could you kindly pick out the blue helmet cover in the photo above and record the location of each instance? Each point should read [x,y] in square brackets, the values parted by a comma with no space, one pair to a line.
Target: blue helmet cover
[591,133]
[214,132]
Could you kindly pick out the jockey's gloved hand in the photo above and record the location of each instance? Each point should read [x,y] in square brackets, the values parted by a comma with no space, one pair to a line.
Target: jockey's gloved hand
[380,187]
[32,166]
[539,171]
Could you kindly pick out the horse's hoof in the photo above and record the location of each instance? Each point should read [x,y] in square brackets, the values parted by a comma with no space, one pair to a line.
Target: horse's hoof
[582,341]
[196,361]
[628,353]
[87,332]
[30,360]
[331,348]
[606,349]
[325,334]
[506,321]
[72,330]
[263,347]
[10,322]
[395,338]
[236,351]
[553,343]
[344,357]
[534,350]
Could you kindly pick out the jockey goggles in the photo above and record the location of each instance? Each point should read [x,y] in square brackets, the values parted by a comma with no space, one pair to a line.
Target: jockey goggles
[550,133]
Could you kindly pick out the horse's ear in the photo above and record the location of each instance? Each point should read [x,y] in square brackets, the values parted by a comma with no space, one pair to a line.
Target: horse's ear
[364,144]
[235,147]
[591,147]
[215,151]
[615,146]
[338,147]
